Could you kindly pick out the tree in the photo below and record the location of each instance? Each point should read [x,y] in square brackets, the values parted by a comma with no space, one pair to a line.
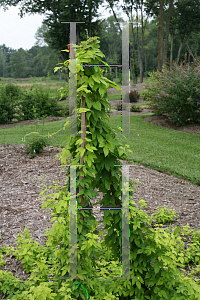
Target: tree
[187,20]
[2,63]
[6,54]
[57,36]
[160,35]
[111,43]
[167,31]
[159,9]
[39,36]
[19,63]
[128,9]
[183,16]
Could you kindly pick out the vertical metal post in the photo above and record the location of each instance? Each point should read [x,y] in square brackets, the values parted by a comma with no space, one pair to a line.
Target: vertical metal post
[72,81]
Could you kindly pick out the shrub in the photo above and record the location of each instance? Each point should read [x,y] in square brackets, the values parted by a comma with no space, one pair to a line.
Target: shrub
[132,97]
[135,108]
[12,91]
[146,96]
[132,108]
[176,94]
[42,103]
[163,215]
[36,145]
[9,97]
[119,106]
[64,93]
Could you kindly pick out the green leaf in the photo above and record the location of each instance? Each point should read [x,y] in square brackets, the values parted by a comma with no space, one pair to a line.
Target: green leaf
[83,109]
[84,79]
[83,247]
[102,90]
[83,88]
[96,86]
[90,148]
[79,142]
[138,284]
[95,77]
[103,82]
[81,150]
[56,69]
[88,160]
[99,137]
[176,230]
[91,82]
[106,151]
[107,185]
[120,151]
[97,105]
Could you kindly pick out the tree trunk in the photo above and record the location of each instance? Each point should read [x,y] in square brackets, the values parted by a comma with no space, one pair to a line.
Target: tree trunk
[142,57]
[110,60]
[116,63]
[90,19]
[160,35]
[189,50]
[171,52]
[141,70]
[131,67]
[167,31]
[138,46]
[179,52]
[114,14]
[146,63]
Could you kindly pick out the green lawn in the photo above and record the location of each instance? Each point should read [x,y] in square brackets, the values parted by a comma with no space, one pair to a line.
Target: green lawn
[159,148]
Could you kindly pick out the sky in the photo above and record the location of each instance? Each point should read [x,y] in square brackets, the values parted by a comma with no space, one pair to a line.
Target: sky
[19,32]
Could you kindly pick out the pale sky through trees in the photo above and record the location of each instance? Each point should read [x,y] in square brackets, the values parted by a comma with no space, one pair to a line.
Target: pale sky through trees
[19,33]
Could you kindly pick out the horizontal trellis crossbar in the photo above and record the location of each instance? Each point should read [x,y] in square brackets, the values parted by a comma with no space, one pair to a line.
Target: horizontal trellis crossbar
[101,66]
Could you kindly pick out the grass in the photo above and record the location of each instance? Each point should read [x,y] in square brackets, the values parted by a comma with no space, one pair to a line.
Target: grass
[159,148]
[162,149]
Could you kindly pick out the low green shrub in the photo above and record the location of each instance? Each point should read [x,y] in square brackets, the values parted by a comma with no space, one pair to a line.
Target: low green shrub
[154,257]
[119,106]
[35,142]
[135,108]
[13,91]
[163,215]
[9,96]
[40,100]
[146,96]
[132,107]
[16,104]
